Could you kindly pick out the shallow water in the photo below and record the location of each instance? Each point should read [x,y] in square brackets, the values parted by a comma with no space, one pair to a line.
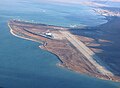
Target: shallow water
[24,65]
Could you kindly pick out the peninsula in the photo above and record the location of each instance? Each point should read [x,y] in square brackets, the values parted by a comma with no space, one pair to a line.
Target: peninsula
[72,53]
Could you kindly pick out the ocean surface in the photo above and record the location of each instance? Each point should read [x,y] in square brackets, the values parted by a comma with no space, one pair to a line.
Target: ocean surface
[24,65]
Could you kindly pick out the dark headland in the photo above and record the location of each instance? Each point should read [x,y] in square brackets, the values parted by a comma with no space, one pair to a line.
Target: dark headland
[71,48]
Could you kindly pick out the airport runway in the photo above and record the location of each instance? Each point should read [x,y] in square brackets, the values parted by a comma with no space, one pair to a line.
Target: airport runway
[89,54]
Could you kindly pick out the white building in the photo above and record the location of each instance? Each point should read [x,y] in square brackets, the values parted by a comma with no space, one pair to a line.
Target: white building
[48,34]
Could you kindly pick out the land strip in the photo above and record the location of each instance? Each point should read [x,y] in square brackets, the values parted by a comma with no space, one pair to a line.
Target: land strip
[72,53]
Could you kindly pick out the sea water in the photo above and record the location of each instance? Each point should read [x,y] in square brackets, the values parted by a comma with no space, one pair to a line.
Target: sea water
[24,65]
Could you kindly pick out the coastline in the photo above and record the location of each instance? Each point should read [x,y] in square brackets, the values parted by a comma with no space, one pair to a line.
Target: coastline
[62,59]
[11,31]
